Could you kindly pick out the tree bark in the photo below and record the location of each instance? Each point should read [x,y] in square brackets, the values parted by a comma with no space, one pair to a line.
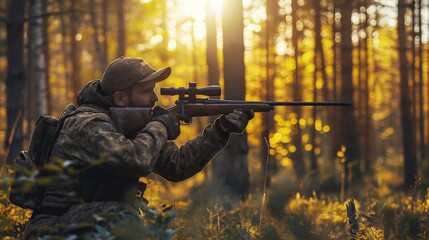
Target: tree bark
[105,26]
[213,73]
[421,87]
[121,28]
[408,134]
[47,55]
[368,126]
[65,50]
[99,63]
[230,166]
[336,95]
[211,51]
[37,71]
[15,81]
[349,124]
[75,50]
[413,67]
[297,156]
[360,90]
[272,10]
[319,70]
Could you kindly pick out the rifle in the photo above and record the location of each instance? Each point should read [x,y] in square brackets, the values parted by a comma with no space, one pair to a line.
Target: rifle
[129,120]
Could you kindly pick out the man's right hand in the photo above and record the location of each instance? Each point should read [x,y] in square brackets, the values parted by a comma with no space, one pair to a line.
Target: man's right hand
[171,121]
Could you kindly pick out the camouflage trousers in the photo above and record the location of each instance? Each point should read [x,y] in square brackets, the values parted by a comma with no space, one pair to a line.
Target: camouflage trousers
[93,220]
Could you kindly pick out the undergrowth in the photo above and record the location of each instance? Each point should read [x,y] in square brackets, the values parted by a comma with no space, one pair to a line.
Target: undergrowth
[208,212]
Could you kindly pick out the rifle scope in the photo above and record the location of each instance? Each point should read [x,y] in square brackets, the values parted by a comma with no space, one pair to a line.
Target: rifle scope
[213,91]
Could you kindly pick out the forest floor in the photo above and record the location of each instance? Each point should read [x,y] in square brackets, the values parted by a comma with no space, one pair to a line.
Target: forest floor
[376,209]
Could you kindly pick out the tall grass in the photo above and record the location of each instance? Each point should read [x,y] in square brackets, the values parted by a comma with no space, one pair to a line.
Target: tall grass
[209,212]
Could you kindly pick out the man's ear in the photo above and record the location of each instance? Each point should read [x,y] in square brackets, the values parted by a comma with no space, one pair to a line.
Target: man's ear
[121,99]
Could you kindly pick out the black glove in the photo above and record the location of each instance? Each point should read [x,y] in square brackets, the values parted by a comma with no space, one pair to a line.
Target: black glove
[170,120]
[236,121]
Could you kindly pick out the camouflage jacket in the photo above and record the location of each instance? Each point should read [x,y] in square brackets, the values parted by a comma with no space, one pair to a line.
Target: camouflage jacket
[92,161]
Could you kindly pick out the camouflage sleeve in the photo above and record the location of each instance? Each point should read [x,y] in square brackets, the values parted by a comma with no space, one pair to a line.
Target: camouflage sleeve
[94,139]
[177,164]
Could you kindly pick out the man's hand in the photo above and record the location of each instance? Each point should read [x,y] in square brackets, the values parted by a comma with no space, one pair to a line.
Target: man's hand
[236,121]
[171,121]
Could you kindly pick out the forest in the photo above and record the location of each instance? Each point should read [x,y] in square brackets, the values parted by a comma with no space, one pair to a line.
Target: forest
[298,172]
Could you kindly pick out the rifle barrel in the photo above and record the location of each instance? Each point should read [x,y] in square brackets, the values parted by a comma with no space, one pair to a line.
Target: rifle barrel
[309,103]
[272,103]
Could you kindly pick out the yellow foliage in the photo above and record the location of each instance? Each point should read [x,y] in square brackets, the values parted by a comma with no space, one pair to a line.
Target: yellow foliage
[302,122]
[12,216]
[286,162]
[319,84]
[292,148]
[308,147]
[317,150]
[326,128]
[318,125]
[320,211]
[305,137]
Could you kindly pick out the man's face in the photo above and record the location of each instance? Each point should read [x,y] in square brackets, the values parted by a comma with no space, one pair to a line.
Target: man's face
[143,95]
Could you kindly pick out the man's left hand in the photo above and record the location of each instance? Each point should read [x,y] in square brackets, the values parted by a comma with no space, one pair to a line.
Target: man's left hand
[236,121]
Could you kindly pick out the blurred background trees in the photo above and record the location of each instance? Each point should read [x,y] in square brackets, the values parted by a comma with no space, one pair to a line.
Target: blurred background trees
[372,53]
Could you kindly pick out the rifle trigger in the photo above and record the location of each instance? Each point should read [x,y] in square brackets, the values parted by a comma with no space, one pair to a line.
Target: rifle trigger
[184,122]
[182,108]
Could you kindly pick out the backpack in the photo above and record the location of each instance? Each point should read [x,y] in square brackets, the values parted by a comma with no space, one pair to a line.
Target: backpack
[28,184]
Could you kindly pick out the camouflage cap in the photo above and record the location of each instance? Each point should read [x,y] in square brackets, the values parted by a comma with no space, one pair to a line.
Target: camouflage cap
[125,72]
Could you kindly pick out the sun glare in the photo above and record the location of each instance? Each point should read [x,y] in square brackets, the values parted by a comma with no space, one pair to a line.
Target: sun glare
[189,16]
[195,10]
[217,5]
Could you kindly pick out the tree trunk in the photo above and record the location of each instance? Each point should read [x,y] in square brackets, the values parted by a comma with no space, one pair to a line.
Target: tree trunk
[272,10]
[211,51]
[200,122]
[75,51]
[413,74]
[37,71]
[349,127]
[297,156]
[368,126]
[47,56]
[121,28]
[336,95]
[230,166]
[105,26]
[360,90]
[99,61]
[164,55]
[408,138]
[421,87]
[65,50]
[213,74]
[427,115]
[15,81]
[319,70]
